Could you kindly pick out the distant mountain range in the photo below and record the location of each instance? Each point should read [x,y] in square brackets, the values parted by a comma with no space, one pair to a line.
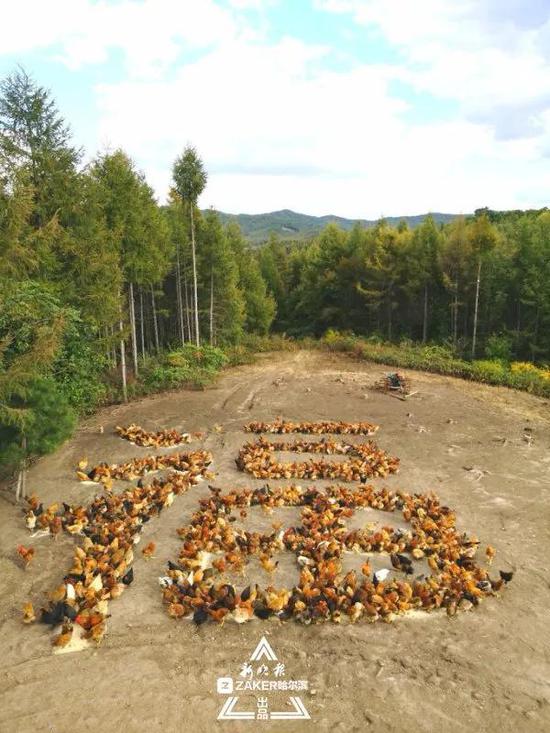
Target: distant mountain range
[289,224]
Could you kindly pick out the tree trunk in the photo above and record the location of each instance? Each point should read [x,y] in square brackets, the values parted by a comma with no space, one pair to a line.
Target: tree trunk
[122,359]
[155,321]
[24,469]
[133,328]
[113,347]
[425,319]
[534,343]
[21,489]
[211,308]
[476,309]
[142,323]
[187,309]
[108,354]
[178,294]
[455,315]
[18,485]
[195,285]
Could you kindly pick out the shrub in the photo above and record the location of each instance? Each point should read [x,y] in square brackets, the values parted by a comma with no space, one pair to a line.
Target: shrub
[79,369]
[491,372]
[46,421]
[274,342]
[440,359]
[336,341]
[524,367]
[499,347]
[186,366]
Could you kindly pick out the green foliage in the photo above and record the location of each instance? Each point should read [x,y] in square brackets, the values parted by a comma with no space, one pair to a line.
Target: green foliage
[492,372]
[187,366]
[79,368]
[36,327]
[34,139]
[292,226]
[48,421]
[138,230]
[440,360]
[259,305]
[189,175]
[219,283]
[499,347]
[258,344]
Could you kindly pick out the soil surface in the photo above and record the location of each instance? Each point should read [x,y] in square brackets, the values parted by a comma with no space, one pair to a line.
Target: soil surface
[483,670]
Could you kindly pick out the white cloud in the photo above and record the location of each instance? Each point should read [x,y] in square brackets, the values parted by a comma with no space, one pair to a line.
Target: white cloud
[488,55]
[151,34]
[257,111]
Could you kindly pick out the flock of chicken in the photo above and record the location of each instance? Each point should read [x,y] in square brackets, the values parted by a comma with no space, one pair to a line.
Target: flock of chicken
[322,427]
[111,526]
[214,543]
[366,460]
[161,439]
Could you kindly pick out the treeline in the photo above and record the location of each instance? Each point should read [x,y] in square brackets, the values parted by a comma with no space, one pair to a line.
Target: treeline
[97,280]
[480,285]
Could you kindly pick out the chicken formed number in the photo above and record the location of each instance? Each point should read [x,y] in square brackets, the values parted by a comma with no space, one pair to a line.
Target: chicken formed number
[214,547]
[195,587]
[109,528]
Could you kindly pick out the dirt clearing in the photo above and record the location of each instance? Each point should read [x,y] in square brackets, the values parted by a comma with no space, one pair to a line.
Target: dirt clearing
[484,451]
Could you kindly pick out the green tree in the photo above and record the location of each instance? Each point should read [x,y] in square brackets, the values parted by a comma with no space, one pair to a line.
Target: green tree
[259,304]
[34,415]
[220,277]
[139,234]
[35,138]
[422,270]
[483,238]
[455,258]
[189,181]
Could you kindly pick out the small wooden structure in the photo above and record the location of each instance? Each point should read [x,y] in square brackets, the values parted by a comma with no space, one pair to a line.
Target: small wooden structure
[394,382]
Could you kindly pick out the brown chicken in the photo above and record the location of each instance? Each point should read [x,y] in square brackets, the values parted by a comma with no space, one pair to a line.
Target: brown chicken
[149,550]
[28,613]
[26,554]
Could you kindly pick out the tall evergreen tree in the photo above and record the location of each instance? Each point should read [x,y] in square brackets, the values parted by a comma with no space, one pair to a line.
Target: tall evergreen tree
[189,180]
[35,138]
[483,238]
[219,275]
[259,304]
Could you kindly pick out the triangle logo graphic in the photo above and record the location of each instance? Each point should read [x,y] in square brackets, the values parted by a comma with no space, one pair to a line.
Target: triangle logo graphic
[229,713]
[256,681]
[263,650]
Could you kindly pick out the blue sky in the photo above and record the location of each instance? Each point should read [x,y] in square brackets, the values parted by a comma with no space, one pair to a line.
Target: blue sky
[360,108]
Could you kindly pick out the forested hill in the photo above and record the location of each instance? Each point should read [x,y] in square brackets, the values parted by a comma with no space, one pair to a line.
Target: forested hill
[289,224]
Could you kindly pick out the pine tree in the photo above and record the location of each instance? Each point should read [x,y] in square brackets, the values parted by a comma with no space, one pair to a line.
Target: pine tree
[455,258]
[259,304]
[422,267]
[483,238]
[139,233]
[189,181]
[35,138]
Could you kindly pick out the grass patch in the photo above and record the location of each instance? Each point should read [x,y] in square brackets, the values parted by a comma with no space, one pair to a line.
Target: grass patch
[441,360]
[191,367]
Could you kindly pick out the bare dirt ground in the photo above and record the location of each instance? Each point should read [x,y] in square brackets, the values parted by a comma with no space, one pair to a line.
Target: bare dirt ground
[485,670]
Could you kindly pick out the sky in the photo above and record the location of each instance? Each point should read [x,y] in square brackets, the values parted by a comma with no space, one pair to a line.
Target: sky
[359,108]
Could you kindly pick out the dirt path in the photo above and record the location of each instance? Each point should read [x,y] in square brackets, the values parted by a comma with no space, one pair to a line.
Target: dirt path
[487,670]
